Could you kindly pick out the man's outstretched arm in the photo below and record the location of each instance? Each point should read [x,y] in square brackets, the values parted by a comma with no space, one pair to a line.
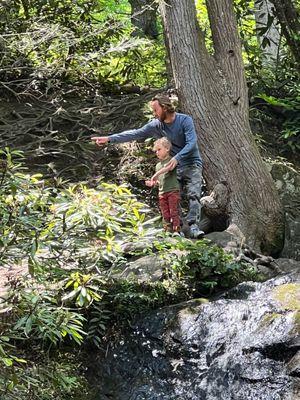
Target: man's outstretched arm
[149,130]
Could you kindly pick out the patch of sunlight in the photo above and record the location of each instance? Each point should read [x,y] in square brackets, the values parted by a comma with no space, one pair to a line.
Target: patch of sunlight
[288,295]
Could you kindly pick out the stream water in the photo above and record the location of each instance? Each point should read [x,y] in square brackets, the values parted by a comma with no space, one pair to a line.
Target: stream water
[244,346]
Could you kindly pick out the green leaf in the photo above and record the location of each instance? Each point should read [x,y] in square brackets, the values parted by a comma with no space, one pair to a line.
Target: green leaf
[71,295]
[7,361]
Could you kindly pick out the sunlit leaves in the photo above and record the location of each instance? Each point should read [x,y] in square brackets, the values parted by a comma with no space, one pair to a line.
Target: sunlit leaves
[288,110]
[43,320]
[76,40]
[85,289]
[202,264]
[77,226]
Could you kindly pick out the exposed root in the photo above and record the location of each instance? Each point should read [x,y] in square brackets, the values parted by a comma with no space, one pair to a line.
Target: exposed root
[54,129]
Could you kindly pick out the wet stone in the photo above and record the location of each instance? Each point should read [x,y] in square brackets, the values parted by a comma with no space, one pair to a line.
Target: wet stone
[234,348]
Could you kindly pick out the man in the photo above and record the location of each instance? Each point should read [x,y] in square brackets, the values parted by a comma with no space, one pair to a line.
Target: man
[180,130]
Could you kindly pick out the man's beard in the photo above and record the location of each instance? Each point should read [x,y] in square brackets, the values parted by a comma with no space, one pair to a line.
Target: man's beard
[163,116]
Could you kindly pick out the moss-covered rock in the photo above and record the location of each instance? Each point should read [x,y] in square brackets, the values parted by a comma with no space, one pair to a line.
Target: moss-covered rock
[288,296]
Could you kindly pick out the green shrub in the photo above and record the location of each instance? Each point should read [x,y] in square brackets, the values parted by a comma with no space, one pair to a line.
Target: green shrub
[71,238]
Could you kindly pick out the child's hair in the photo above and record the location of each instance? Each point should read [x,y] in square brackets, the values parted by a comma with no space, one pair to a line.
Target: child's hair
[162,142]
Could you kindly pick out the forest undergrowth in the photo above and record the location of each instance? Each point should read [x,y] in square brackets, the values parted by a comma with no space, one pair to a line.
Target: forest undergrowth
[70,70]
[69,239]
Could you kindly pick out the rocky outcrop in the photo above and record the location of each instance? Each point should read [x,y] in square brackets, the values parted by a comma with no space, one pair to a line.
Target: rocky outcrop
[243,346]
[287,180]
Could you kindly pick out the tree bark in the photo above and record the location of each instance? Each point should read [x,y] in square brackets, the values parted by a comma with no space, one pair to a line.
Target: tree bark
[212,88]
[143,16]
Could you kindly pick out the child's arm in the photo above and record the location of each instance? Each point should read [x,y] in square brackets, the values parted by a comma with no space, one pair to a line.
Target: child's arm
[160,172]
[169,167]
[151,182]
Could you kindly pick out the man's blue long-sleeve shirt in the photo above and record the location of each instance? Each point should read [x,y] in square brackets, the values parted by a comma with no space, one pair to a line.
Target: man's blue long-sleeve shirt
[181,133]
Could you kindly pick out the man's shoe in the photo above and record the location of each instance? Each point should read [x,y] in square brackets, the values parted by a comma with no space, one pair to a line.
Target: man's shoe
[195,232]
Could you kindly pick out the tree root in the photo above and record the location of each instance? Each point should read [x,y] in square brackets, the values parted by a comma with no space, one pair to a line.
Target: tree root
[56,128]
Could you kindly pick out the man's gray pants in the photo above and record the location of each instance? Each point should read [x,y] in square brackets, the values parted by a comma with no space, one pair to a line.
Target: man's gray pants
[190,181]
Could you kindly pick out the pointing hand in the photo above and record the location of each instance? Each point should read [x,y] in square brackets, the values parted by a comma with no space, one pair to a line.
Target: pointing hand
[100,140]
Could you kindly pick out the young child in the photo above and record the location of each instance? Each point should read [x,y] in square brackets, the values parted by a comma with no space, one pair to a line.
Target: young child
[168,186]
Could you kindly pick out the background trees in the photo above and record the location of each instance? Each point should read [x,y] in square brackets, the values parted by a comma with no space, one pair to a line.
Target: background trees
[288,16]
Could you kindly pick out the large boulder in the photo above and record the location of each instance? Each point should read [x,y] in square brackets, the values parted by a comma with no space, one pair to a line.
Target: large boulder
[243,346]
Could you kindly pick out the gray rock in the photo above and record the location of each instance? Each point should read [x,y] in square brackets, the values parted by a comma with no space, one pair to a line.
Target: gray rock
[240,347]
[292,237]
[224,239]
[287,180]
[286,265]
[266,272]
[294,365]
[145,269]
[136,247]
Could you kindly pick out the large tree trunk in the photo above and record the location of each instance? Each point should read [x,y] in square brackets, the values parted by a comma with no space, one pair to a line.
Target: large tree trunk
[213,90]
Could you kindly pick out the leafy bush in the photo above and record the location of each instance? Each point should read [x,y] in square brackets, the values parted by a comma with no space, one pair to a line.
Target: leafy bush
[71,238]
[202,266]
[53,228]
[44,378]
[287,111]
[42,319]
[68,237]
[76,41]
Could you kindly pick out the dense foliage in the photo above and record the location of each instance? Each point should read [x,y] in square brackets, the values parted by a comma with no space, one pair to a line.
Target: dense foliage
[45,45]
[68,239]
[76,42]
[68,242]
